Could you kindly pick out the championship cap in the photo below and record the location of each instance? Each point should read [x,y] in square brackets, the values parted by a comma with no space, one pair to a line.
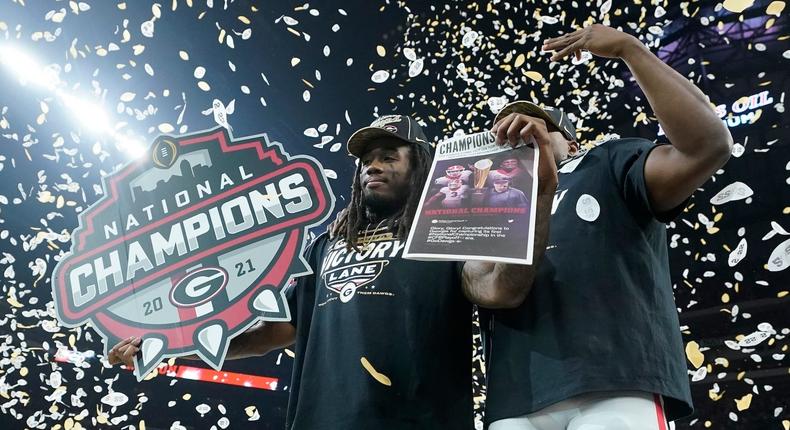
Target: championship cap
[398,126]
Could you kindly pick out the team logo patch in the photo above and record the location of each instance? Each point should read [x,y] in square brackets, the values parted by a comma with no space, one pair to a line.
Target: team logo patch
[192,245]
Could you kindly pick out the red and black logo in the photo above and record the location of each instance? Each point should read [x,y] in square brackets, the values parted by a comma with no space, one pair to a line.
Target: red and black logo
[192,245]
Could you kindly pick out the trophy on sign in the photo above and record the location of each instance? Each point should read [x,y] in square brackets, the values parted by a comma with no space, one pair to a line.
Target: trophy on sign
[482,168]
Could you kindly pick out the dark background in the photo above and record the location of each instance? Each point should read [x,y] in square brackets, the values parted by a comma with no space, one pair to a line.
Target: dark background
[51,164]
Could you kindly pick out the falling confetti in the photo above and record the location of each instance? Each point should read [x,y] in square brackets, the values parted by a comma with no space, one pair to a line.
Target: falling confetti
[380,377]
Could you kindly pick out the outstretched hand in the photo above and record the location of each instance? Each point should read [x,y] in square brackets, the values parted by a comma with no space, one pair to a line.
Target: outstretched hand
[124,351]
[598,39]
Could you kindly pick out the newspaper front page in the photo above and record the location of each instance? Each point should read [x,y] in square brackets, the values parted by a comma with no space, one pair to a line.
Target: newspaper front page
[478,203]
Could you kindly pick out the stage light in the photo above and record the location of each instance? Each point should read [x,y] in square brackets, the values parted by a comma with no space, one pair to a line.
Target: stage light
[88,112]
[27,69]
[131,145]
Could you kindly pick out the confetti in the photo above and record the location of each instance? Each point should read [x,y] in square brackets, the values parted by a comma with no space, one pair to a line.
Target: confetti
[587,208]
[380,377]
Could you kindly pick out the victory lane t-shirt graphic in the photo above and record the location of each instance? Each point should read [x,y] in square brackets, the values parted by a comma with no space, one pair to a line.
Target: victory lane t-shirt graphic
[345,271]
[192,245]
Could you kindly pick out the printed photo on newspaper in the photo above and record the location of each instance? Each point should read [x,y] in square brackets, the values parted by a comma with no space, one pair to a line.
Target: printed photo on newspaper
[478,203]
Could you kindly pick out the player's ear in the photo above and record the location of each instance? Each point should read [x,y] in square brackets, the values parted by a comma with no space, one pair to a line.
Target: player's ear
[573,148]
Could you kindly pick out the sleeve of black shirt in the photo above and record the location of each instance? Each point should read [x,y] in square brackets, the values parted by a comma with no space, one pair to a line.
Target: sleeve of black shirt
[300,286]
[627,159]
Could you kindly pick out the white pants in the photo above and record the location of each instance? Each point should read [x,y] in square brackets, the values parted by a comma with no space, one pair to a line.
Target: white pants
[595,411]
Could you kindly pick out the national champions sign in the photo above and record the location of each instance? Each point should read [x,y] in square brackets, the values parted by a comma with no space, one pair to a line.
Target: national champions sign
[192,245]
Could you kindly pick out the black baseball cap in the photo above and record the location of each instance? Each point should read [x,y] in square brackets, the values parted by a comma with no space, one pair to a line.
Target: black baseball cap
[554,116]
[398,126]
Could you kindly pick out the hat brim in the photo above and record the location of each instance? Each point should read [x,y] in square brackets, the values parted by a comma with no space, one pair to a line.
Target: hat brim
[362,137]
[530,109]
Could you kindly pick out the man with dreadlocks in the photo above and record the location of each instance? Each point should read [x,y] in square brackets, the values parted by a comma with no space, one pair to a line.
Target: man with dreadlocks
[382,342]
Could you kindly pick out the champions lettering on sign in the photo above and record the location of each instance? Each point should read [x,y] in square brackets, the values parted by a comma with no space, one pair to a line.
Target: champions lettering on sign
[192,245]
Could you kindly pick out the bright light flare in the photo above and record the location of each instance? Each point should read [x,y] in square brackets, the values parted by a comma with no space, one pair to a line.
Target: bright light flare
[27,69]
[89,113]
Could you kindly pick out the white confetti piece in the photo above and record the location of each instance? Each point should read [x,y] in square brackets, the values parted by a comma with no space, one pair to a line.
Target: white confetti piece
[780,257]
[203,409]
[587,208]
[738,253]
[735,191]
[549,20]
[147,28]
[115,399]
[380,76]
[469,39]
[409,54]
[699,374]
[766,327]
[200,72]
[220,113]
[415,68]
[496,103]
[754,339]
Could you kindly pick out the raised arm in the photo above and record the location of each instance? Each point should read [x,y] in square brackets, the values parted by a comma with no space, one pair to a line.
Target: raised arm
[254,342]
[701,144]
[500,285]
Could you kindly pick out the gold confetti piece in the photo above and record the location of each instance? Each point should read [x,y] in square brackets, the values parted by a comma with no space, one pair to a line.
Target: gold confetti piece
[786,424]
[775,8]
[23,371]
[203,85]
[244,19]
[744,402]
[13,302]
[127,97]
[725,298]
[694,355]
[380,377]
[737,6]
[138,49]
[381,51]
[781,294]
[519,61]
[250,410]
[535,76]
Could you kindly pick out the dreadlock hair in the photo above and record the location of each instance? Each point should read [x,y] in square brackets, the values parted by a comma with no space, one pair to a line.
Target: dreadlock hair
[419,167]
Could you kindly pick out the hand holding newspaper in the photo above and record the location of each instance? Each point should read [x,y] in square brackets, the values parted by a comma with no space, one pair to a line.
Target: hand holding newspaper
[478,203]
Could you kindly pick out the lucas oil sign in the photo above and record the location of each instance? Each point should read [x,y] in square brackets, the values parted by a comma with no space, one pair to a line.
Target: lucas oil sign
[192,245]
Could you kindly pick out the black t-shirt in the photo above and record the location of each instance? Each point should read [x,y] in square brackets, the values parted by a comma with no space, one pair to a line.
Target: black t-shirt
[601,315]
[408,320]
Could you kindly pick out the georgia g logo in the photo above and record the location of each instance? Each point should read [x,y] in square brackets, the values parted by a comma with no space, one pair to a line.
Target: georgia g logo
[192,245]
